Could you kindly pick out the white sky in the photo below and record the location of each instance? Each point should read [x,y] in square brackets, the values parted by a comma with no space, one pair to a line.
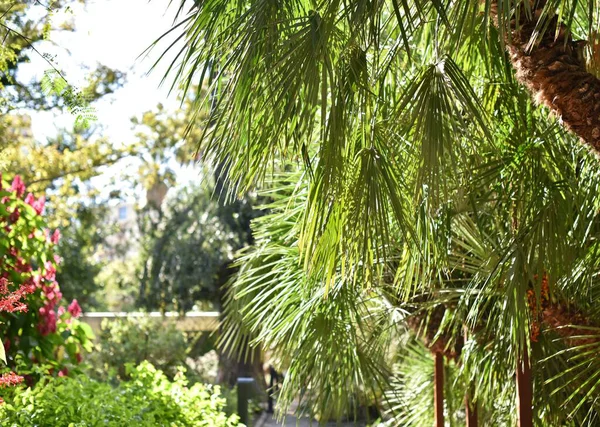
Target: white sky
[113,33]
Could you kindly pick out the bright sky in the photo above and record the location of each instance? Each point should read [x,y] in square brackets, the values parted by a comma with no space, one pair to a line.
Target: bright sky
[114,33]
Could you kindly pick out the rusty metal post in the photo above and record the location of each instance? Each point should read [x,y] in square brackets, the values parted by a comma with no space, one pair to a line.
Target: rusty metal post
[438,392]
[524,390]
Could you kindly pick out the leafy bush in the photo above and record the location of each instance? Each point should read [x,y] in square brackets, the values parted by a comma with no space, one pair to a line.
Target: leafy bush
[133,340]
[149,399]
[46,333]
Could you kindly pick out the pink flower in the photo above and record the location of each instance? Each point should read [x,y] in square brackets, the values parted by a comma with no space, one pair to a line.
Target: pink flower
[29,199]
[52,294]
[63,372]
[18,186]
[29,286]
[74,309]
[37,281]
[12,305]
[38,205]
[55,236]
[50,271]
[48,321]
[10,379]
[11,301]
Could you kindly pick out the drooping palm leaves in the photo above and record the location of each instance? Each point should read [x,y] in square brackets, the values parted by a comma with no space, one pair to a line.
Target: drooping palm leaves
[430,183]
[332,339]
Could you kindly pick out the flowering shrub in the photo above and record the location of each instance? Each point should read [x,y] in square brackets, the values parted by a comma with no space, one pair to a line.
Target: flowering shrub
[149,399]
[39,334]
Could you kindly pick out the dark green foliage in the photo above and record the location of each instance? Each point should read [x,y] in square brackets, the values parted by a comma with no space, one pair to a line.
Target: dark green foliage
[186,245]
[78,271]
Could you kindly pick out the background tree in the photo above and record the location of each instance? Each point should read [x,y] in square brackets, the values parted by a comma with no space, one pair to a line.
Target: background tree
[81,239]
[184,255]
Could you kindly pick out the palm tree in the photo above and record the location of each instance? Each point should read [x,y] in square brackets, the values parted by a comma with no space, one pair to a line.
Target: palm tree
[440,192]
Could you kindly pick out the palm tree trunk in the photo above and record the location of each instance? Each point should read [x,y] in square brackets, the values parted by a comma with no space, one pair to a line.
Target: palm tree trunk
[438,391]
[556,75]
[524,391]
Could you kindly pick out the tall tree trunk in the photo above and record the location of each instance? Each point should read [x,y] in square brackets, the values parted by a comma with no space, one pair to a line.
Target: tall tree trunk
[438,392]
[524,391]
[555,74]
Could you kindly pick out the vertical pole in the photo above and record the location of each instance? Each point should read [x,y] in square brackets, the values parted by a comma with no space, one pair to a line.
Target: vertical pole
[271,389]
[244,389]
[438,392]
[524,391]
[471,411]
[470,406]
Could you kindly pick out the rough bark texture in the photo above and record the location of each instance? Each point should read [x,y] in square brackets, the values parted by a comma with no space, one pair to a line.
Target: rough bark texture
[570,324]
[556,75]
[560,317]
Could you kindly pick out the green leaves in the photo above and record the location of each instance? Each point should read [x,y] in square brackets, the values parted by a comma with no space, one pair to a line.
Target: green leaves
[308,321]
[149,399]
[424,176]
[438,109]
[54,84]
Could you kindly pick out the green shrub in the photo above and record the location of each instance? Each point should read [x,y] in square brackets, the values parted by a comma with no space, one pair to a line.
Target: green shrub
[149,399]
[134,340]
